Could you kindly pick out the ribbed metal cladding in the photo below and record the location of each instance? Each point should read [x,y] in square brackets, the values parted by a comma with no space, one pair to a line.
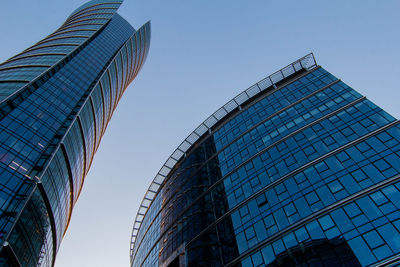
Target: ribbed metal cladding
[56,99]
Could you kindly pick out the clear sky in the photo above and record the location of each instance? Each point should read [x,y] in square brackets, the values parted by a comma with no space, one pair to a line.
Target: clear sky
[202,54]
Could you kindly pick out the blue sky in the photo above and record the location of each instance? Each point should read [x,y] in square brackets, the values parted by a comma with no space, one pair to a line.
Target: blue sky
[202,54]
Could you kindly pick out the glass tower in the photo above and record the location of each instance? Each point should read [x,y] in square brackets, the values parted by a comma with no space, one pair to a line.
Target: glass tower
[299,169]
[56,99]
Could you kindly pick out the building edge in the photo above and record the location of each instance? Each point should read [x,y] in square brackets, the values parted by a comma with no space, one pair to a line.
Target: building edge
[269,83]
[139,44]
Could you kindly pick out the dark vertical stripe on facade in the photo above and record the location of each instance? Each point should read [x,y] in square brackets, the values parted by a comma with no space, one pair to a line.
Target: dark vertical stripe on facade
[71,182]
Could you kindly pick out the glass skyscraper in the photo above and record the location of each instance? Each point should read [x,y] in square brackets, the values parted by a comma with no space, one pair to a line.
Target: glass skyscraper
[297,170]
[56,99]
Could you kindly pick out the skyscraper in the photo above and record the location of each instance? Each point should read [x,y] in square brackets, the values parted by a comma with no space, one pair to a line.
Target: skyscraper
[56,99]
[298,169]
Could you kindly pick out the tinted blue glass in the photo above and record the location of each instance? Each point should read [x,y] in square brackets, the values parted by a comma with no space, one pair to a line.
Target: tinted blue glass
[305,172]
[50,129]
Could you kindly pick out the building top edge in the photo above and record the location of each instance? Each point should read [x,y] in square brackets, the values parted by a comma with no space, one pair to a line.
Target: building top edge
[95,3]
[306,62]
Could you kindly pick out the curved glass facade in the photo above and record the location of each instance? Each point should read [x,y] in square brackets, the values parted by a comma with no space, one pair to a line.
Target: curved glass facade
[300,169]
[56,99]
